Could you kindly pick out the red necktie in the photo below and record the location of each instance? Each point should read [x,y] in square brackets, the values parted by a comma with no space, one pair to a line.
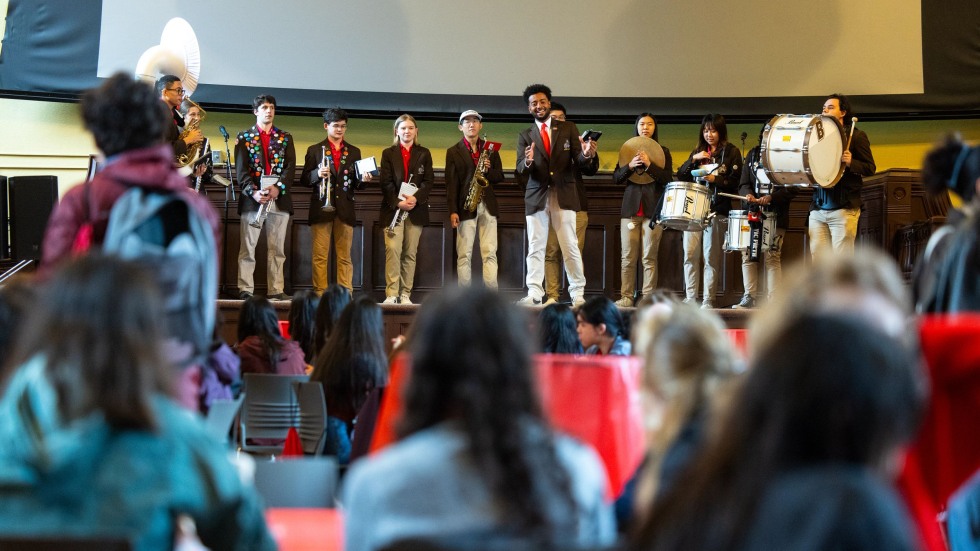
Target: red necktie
[546,139]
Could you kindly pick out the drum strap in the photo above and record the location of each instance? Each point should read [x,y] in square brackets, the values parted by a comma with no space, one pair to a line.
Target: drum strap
[755,234]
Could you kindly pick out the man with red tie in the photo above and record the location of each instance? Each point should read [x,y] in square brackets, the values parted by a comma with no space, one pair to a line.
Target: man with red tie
[547,154]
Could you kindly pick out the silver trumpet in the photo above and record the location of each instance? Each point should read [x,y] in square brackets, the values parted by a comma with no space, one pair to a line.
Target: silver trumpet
[260,216]
[399,216]
[325,191]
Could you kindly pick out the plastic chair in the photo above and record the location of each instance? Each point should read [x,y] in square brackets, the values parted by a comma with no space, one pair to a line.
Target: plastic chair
[269,410]
[303,482]
[312,416]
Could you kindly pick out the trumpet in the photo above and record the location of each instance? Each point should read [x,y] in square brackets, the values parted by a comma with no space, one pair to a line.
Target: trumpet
[399,216]
[261,214]
[325,183]
[478,183]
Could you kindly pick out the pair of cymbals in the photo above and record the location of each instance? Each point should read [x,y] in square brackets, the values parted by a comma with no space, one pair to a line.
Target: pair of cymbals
[647,145]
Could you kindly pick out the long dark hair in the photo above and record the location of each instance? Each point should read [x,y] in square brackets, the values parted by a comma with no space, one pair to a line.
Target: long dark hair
[354,361]
[556,330]
[832,389]
[97,325]
[302,321]
[952,165]
[471,363]
[716,121]
[332,303]
[656,126]
[598,310]
[258,318]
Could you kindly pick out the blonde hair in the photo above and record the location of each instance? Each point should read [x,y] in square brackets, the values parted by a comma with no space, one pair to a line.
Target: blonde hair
[688,358]
[401,119]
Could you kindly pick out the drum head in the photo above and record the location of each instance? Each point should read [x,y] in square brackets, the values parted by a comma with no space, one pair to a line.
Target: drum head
[633,146]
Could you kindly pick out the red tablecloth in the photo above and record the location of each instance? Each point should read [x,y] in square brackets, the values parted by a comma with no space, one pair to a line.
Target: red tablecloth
[306,529]
[595,399]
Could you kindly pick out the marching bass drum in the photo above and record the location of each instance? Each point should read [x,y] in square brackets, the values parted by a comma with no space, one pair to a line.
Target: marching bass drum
[803,150]
[686,206]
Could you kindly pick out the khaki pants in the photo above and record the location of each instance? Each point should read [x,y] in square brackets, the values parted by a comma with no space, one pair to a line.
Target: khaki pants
[774,268]
[275,233]
[400,255]
[698,245]
[552,254]
[631,241]
[343,236]
[835,229]
[486,225]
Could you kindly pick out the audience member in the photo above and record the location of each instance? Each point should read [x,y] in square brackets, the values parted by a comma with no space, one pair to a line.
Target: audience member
[557,332]
[601,328]
[477,460]
[302,322]
[946,275]
[17,298]
[89,444]
[352,366]
[221,374]
[332,303]
[801,457]
[688,359]
[260,343]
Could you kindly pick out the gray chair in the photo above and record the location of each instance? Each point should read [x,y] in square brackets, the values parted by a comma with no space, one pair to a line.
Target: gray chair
[312,416]
[221,417]
[269,410]
[306,482]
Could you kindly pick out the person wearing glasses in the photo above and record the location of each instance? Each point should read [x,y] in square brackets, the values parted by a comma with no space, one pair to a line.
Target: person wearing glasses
[172,94]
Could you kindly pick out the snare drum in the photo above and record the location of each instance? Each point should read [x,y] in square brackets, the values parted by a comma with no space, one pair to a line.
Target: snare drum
[803,150]
[686,206]
[739,234]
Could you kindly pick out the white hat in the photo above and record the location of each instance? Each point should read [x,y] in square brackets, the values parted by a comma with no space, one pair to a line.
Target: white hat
[470,113]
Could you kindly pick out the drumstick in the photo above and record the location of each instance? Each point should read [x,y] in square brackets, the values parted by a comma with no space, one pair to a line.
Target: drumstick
[854,121]
[733,196]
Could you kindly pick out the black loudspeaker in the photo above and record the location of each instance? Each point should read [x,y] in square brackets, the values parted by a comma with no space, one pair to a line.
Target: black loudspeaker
[32,198]
[4,221]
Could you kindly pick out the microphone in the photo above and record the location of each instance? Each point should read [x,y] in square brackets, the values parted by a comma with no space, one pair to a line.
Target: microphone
[224,132]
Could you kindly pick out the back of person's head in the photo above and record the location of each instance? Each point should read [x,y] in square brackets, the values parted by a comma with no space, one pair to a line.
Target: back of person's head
[17,297]
[332,302]
[471,363]
[302,321]
[867,283]
[258,318]
[123,114]
[354,361]
[832,390]
[556,330]
[601,310]
[96,324]
[952,165]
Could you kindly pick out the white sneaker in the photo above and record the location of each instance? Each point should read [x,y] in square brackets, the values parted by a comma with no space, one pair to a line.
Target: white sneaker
[390,300]
[625,302]
[550,301]
[690,301]
[529,301]
[577,301]
[405,300]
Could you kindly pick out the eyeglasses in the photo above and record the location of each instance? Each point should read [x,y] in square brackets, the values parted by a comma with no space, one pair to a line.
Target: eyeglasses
[180,91]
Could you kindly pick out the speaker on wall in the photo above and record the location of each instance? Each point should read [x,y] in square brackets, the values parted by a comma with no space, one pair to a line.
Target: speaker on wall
[32,198]
[4,240]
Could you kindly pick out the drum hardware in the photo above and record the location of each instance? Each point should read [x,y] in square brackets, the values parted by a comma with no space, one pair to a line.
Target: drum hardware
[649,146]
[325,191]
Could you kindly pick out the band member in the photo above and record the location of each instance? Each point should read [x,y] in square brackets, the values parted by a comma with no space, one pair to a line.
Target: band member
[641,202]
[264,152]
[713,148]
[552,253]
[405,161]
[203,169]
[547,154]
[171,93]
[834,212]
[461,166]
[332,160]
[773,202]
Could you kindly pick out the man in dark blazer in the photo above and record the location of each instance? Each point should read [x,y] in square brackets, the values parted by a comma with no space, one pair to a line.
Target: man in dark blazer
[403,160]
[264,152]
[461,165]
[547,154]
[332,160]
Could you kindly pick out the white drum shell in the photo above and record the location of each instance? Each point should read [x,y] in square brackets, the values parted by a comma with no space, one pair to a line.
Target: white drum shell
[686,206]
[739,233]
[803,150]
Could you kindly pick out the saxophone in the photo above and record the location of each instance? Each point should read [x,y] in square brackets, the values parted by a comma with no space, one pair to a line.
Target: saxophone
[479,182]
[195,151]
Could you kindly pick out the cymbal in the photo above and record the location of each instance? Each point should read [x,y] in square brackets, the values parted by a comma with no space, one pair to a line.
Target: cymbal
[635,145]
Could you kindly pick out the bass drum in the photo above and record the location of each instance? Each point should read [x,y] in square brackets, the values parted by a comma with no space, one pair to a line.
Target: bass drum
[686,206]
[803,150]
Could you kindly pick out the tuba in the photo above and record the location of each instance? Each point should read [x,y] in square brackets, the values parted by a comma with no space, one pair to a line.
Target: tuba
[195,151]
[478,183]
